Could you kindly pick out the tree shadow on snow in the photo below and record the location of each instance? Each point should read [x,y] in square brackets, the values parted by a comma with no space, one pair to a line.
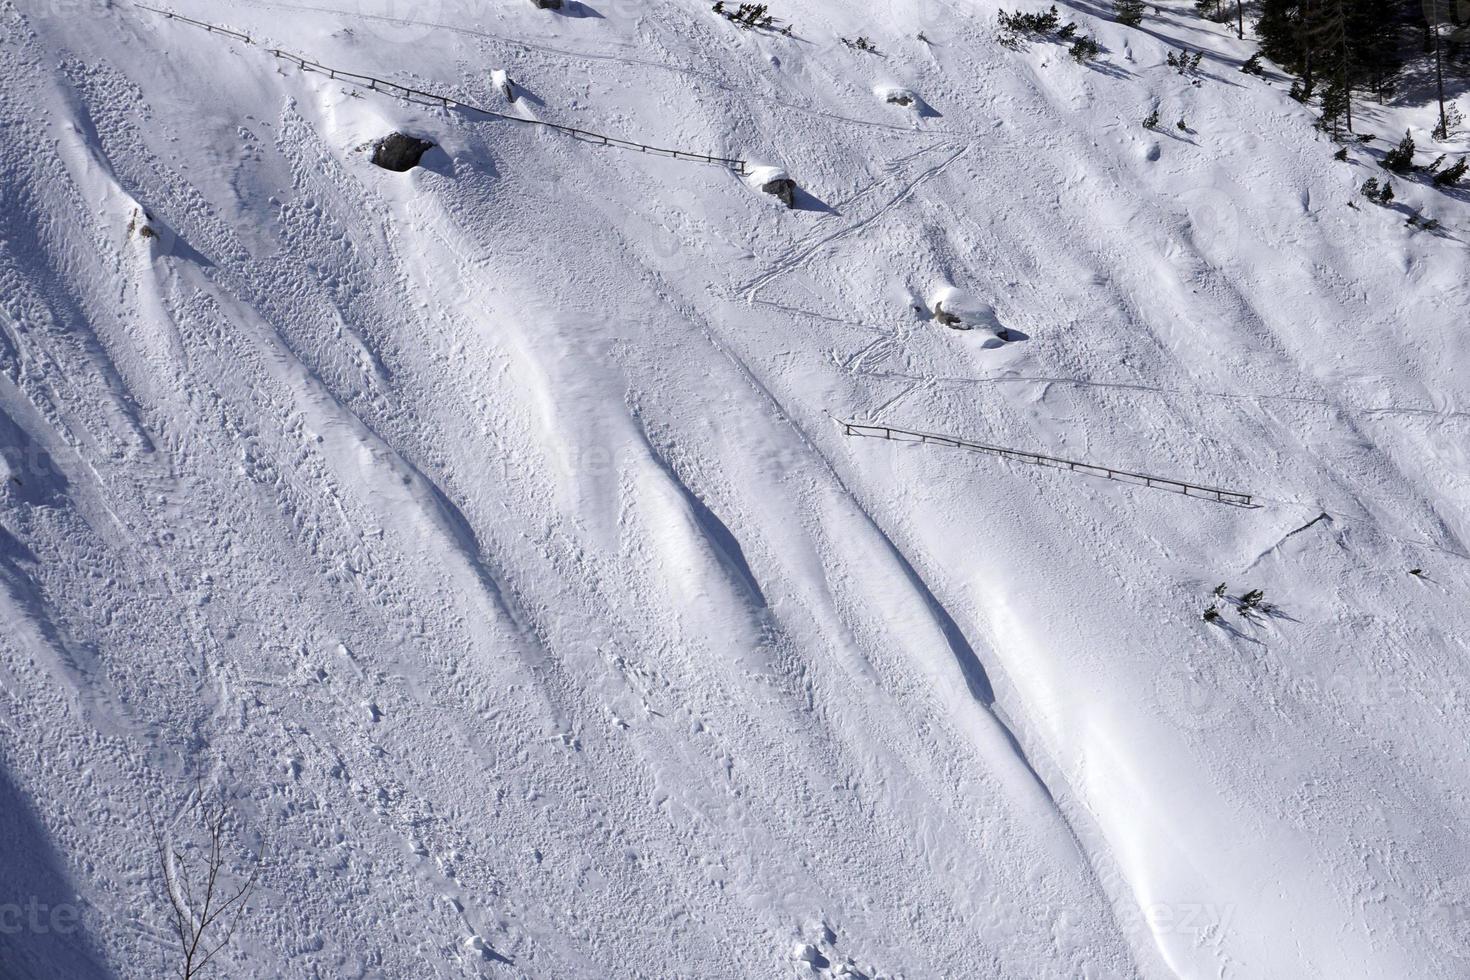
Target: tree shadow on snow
[1108,68]
[1418,213]
[1105,12]
[1173,132]
[1223,624]
[41,932]
[1219,79]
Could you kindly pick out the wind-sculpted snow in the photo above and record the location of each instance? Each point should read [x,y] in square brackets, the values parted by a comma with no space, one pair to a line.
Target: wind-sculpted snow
[483,534]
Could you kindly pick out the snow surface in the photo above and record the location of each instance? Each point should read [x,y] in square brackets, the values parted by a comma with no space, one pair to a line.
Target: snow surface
[484,534]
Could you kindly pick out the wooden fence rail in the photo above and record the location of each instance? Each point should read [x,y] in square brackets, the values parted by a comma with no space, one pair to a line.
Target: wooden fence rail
[878,431]
[422,97]
[211,28]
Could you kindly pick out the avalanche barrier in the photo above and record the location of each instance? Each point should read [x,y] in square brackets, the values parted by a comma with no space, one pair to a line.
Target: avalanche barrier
[421,97]
[879,431]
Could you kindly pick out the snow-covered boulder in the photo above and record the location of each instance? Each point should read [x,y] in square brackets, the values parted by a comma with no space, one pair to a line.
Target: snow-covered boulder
[962,310]
[810,955]
[775,181]
[897,95]
[399,152]
[502,82]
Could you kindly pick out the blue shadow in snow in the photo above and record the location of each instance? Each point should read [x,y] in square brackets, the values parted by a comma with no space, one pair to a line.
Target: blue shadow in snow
[41,934]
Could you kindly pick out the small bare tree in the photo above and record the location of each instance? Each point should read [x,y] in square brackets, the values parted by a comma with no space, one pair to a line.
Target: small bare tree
[204,909]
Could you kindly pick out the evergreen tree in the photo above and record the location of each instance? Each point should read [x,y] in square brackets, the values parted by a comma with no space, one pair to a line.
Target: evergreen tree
[1451,176]
[1085,48]
[1335,108]
[1432,11]
[1128,12]
[1358,43]
[1400,159]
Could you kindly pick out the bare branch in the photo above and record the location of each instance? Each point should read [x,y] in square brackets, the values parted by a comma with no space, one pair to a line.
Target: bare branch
[198,921]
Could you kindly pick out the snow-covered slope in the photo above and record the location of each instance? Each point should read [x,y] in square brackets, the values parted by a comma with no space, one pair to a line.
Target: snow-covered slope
[484,533]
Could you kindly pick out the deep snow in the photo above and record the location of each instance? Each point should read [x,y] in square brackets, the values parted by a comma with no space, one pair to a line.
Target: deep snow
[484,534]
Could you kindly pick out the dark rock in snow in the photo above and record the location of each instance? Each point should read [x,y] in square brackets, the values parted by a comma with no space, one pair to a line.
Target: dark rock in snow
[548,4]
[399,152]
[783,188]
[773,181]
[949,319]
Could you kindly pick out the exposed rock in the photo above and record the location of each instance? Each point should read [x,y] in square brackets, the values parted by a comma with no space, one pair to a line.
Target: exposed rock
[774,181]
[399,152]
[959,309]
[548,4]
[138,224]
[947,318]
[784,188]
[505,83]
[897,95]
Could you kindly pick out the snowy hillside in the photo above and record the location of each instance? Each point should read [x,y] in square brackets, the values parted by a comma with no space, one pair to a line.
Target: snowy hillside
[485,533]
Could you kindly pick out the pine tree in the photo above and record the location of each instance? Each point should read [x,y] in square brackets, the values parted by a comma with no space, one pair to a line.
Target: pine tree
[1451,176]
[1208,8]
[1401,158]
[1444,127]
[1335,106]
[1128,12]
[1085,48]
[1355,42]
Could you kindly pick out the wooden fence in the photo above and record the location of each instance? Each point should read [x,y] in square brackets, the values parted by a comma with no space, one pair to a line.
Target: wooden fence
[893,433]
[423,97]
